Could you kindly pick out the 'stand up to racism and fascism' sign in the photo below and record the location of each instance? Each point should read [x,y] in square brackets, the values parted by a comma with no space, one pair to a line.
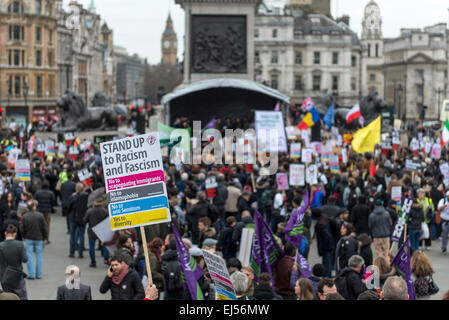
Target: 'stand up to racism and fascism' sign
[135,183]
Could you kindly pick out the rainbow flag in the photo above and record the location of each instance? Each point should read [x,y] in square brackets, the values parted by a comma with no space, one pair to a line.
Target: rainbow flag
[311,118]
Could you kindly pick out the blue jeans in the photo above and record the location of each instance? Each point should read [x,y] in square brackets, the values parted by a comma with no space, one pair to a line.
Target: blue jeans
[328,262]
[415,235]
[37,246]
[92,252]
[77,238]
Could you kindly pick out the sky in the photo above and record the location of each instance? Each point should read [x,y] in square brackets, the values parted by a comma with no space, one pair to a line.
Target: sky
[138,24]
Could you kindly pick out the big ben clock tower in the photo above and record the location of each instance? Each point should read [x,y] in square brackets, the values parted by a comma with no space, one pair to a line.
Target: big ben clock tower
[169,44]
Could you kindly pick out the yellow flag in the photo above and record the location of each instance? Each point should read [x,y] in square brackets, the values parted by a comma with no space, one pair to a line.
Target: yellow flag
[366,138]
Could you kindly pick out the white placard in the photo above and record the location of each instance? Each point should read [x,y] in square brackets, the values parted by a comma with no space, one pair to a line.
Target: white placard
[297,175]
[265,123]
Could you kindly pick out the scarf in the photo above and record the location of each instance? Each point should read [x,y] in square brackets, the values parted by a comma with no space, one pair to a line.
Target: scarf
[117,279]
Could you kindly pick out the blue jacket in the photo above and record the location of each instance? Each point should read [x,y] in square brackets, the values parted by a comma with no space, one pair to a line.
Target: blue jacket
[317,200]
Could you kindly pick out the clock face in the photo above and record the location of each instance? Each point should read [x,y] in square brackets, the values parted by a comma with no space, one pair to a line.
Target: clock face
[166,44]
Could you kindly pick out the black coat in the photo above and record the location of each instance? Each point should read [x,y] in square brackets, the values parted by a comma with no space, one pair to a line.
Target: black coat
[130,288]
[265,292]
[227,244]
[67,189]
[83,293]
[359,217]
[325,240]
[367,254]
[45,200]
[415,219]
[354,283]
[346,248]
[33,226]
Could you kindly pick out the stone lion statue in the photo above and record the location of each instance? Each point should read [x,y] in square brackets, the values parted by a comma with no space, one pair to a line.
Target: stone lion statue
[371,107]
[101,99]
[75,116]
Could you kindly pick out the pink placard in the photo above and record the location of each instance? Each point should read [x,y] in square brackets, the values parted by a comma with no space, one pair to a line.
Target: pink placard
[282,180]
[135,180]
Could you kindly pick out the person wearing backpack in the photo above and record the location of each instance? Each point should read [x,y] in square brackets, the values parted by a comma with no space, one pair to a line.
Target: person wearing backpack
[171,270]
[349,281]
[77,210]
[45,201]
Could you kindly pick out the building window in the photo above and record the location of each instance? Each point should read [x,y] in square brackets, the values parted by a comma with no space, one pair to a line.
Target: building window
[17,85]
[335,83]
[38,34]
[50,36]
[316,58]
[38,7]
[369,50]
[82,86]
[257,57]
[316,83]
[23,57]
[275,33]
[372,77]
[256,33]
[298,58]
[16,57]
[334,57]
[38,58]
[82,67]
[39,86]
[354,61]
[420,90]
[298,83]
[274,57]
[420,73]
[377,50]
[10,85]
[9,57]
[15,7]
[274,81]
[353,84]
[50,59]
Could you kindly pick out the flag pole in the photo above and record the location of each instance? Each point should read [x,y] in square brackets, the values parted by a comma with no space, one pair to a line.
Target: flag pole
[145,251]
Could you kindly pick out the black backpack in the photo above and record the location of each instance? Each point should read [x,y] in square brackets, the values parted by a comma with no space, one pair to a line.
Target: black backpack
[172,275]
[342,286]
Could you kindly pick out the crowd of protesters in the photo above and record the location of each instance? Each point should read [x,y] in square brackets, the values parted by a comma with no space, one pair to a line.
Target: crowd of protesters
[350,213]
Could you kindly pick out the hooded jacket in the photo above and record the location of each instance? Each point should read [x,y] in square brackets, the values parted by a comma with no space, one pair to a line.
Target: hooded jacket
[354,283]
[380,223]
[325,240]
[265,292]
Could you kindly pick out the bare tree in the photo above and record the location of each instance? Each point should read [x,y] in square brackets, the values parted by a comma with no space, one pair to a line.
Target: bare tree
[157,76]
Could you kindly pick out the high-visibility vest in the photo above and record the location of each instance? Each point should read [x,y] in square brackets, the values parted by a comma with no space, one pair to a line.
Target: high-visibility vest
[63,177]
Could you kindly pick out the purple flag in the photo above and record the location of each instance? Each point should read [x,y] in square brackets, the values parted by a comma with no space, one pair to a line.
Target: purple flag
[401,221]
[402,264]
[295,228]
[304,266]
[191,272]
[266,251]
[210,125]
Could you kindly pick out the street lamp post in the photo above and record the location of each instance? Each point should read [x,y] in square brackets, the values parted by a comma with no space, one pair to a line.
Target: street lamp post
[26,88]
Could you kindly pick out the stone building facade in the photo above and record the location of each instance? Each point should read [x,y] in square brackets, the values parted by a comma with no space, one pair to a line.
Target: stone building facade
[81,54]
[416,71]
[304,54]
[129,75]
[28,65]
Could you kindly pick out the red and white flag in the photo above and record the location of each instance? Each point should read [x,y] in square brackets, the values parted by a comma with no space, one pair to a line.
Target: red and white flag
[353,114]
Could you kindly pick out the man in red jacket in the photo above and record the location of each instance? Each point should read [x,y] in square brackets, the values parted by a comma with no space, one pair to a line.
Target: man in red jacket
[283,273]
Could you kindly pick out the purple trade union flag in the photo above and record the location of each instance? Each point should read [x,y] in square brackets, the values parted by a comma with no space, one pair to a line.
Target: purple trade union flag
[402,264]
[295,228]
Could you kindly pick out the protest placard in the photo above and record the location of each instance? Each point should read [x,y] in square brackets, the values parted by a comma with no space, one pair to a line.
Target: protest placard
[85,177]
[220,276]
[295,150]
[436,151]
[69,138]
[40,150]
[73,153]
[22,168]
[211,186]
[411,165]
[282,181]
[265,123]
[135,182]
[246,241]
[104,233]
[50,148]
[312,174]
[334,163]
[306,156]
[396,193]
[291,132]
[297,175]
